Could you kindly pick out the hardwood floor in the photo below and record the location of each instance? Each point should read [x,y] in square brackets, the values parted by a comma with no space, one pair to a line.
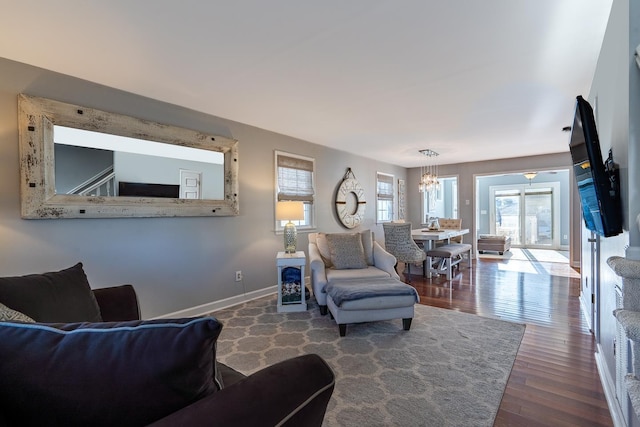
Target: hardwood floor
[554,381]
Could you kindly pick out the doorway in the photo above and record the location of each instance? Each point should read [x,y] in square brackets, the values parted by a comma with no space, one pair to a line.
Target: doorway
[529,214]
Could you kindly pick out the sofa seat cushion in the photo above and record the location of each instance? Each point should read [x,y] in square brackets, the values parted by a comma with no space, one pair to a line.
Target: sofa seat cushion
[61,296]
[361,273]
[105,374]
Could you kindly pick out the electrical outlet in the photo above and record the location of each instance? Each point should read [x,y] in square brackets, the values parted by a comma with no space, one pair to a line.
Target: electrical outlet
[238,275]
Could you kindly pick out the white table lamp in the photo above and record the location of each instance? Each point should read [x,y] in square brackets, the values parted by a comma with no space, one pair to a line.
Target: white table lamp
[290,211]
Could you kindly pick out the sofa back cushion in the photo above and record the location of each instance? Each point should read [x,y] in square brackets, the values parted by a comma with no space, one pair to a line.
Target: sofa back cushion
[61,296]
[367,244]
[105,374]
[323,248]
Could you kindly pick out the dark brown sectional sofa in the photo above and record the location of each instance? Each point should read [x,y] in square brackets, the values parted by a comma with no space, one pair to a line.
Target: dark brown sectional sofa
[86,358]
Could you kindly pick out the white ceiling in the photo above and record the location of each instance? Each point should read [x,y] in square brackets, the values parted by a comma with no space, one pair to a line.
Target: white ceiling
[472,80]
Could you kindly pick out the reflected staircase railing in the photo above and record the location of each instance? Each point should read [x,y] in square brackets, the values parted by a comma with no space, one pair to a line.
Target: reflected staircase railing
[101,184]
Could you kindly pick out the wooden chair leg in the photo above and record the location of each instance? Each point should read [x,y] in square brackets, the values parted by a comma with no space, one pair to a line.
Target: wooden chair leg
[343,329]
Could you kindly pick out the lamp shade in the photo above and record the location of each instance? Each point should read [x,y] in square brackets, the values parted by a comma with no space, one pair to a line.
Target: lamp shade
[289,211]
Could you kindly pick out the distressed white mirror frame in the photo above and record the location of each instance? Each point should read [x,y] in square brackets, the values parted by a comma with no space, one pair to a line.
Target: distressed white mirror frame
[39,200]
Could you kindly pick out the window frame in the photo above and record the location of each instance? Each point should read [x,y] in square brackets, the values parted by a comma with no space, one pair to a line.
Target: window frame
[309,223]
[433,200]
[388,198]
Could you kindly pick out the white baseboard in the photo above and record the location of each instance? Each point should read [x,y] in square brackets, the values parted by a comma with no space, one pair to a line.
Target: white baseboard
[209,307]
[609,386]
[585,311]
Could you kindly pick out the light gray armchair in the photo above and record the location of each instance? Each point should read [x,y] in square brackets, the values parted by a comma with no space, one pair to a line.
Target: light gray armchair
[325,267]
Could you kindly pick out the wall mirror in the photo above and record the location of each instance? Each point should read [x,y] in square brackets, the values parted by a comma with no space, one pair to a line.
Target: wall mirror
[78,162]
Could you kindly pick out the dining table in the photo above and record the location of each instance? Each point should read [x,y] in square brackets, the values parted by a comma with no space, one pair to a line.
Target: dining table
[428,236]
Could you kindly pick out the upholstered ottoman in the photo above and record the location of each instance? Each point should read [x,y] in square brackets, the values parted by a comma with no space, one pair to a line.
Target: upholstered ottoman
[491,242]
[369,300]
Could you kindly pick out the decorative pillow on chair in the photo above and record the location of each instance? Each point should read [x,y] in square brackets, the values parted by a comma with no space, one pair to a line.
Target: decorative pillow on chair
[60,296]
[9,315]
[105,374]
[346,250]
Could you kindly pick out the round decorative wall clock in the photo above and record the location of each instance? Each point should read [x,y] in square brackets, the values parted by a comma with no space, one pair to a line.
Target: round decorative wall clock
[348,216]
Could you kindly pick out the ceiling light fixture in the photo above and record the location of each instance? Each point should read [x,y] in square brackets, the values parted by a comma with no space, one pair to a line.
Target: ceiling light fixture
[429,173]
[530,176]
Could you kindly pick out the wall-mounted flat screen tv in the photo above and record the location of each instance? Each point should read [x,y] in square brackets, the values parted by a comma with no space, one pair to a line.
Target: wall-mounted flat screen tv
[598,181]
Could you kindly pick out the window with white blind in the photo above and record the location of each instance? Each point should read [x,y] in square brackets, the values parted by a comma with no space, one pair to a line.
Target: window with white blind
[295,181]
[385,197]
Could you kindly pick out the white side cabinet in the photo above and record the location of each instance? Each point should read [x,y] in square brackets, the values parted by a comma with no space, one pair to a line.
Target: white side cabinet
[291,290]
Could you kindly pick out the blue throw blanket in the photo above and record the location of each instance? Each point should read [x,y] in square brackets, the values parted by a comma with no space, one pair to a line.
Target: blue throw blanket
[358,289]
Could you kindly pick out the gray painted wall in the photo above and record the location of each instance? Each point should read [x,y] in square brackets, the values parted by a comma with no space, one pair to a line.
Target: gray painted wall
[609,97]
[174,263]
[467,172]
[74,165]
[132,167]
[615,96]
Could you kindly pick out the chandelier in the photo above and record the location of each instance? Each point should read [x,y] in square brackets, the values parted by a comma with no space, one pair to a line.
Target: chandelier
[429,173]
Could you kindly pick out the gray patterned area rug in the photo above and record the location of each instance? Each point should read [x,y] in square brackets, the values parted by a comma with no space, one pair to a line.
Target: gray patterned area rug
[450,369]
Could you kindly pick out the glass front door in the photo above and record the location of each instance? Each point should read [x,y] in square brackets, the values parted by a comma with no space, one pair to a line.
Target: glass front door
[526,214]
[538,206]
[507,214]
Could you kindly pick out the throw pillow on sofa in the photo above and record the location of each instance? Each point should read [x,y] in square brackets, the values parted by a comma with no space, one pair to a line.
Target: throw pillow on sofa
[105,374]
[59,296]
[9,315]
